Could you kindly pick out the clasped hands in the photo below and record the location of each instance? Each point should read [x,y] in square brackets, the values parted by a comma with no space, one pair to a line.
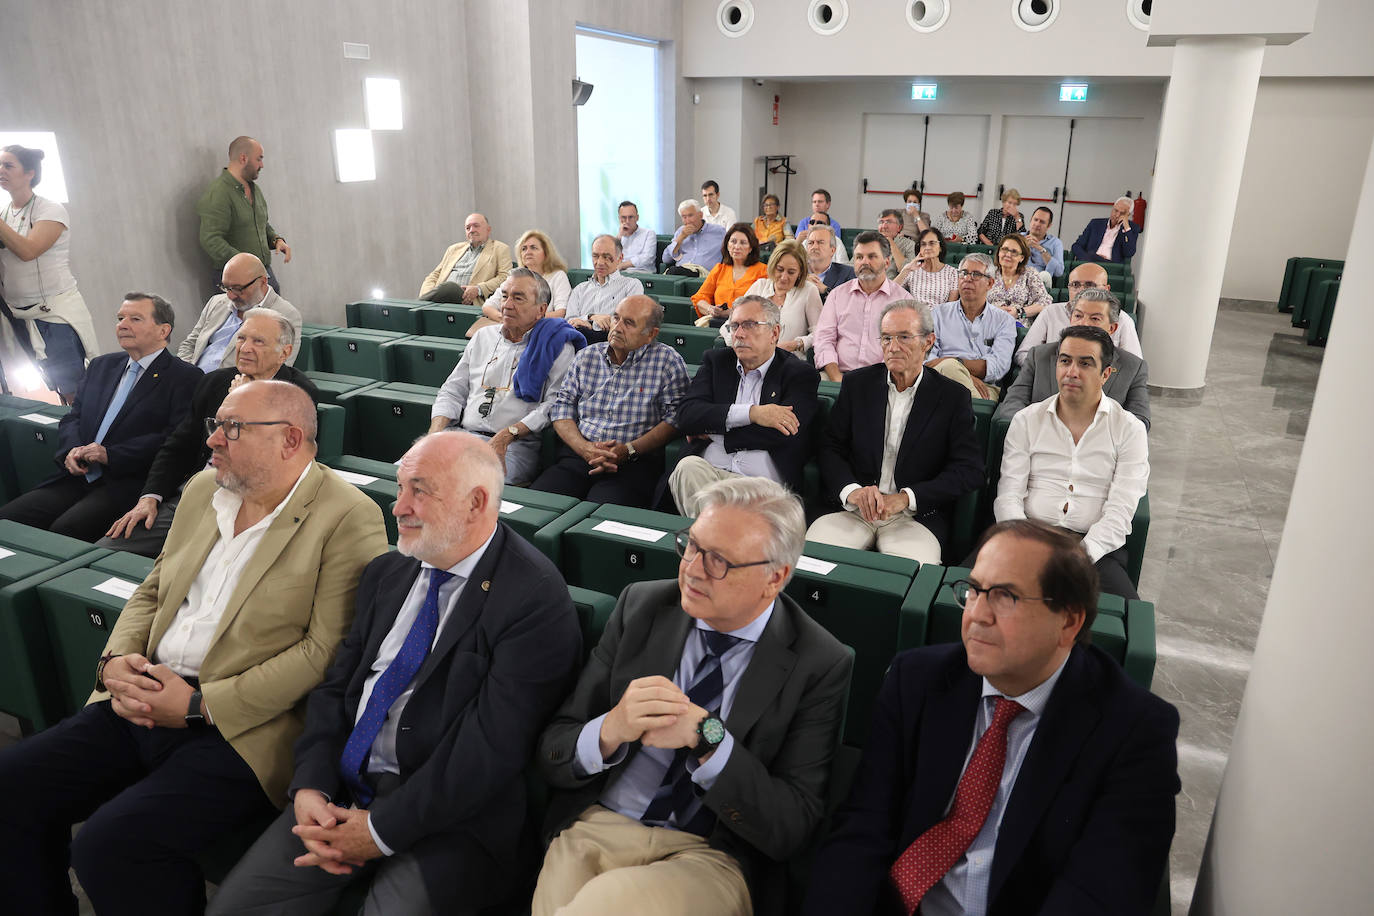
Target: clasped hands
[80,459]
[605,456]
[655,712]
[875,505]
[336,839]
[146,694]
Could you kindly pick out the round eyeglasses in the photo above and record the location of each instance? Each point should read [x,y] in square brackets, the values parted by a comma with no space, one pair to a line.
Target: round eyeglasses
[1001,599]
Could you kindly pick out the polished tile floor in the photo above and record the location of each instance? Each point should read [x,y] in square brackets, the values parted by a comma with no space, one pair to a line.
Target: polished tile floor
[1222,467]
[1221,471]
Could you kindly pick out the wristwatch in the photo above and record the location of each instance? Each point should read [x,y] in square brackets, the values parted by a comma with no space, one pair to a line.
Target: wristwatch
[710,733]
[514,431]
[195,716]
[100,671]
[630,452]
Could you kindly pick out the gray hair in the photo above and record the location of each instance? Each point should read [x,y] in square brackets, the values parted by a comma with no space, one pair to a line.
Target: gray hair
[1120,199]
[286,335]
[777,506]
[655,315]
[827,228]
[921,309]
[979,258]
[163,313]
[770,308]
[690,203]
[542,294]
[615,240]
[1101,295]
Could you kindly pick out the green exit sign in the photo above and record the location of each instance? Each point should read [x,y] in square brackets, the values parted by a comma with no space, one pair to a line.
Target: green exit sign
[923,92]
[1073,92]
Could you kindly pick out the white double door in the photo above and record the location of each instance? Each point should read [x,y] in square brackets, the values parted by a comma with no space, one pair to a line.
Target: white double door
[898,148]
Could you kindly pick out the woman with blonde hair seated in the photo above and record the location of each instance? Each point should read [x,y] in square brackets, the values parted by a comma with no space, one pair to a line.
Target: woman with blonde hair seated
[786,286]
[535,251]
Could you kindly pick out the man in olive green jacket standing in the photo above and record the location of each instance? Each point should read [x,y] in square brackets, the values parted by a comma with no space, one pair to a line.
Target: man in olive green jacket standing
[233,213]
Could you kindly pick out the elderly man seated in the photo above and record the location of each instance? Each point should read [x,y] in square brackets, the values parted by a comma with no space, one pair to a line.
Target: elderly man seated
[696,245]
[470,270]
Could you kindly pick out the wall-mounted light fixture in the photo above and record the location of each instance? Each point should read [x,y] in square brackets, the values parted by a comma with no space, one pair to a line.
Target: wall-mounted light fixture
[383,103]
[353,156]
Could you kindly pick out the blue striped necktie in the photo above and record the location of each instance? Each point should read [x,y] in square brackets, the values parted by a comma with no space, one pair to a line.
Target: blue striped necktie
[389,688]
[126,385]
[676,794]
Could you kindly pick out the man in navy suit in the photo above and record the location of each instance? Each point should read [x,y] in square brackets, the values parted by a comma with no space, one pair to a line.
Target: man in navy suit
[748,411]
[1109,239]
[900,447]
[125,407]
[1017,772]
[822,268]
[408,773]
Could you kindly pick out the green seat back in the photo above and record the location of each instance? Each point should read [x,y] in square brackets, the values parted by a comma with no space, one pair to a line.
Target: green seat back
[422,360]
[330,384]
[529,511]
[356,351]
[401,315]
[1303,299]
[441,319]
[384,420]
[677,309]
[80,611]
[661,285]
[689,341]
[330,422]
[30,442]
[593,611]
[577,275]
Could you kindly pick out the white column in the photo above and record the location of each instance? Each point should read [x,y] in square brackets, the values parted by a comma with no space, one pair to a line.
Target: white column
[1294,823]
[1202,139]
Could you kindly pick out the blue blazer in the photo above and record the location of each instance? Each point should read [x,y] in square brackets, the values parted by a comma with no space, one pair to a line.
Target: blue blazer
[159,402]
[1089,822]
[834,275]
[507,655]
[1123,249]
[712,391]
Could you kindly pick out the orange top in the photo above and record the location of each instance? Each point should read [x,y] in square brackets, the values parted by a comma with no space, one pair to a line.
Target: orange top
[769,232]
[721,288]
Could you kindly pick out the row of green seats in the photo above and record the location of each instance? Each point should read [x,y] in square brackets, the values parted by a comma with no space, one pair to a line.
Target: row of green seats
[1307,296]
[1321,308]
[654,284]
[1295,279]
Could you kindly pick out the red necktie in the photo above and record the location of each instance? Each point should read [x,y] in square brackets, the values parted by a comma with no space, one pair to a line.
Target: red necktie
[934,852]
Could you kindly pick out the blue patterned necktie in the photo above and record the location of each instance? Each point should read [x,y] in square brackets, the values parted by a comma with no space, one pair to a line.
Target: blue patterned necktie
[126,385]
[389,688]
[676,794]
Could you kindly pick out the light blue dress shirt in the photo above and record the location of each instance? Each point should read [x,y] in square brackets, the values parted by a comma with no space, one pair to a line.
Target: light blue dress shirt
[635,789]
[963,891]
[1055,265]
[701,248]
[991,336]
[220,341]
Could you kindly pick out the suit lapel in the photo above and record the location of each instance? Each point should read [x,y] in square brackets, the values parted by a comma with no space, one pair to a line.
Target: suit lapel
[149,381]
[870,415]
[772,382]
[945,737]
[388,607]
[1069,718]
[768,670]
[469,607]
[923,404]
[662,648]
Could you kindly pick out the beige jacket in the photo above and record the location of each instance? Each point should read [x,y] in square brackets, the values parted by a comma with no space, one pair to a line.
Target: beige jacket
[491,270]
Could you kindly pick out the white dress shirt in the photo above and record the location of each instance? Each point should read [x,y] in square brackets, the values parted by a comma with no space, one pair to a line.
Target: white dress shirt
[898,410]
[1091,486]
[184,646]
[725,217]
[746,462]
[489,361]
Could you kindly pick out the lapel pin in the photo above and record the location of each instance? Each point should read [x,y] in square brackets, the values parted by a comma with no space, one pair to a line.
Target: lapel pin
[296,520]
[486,585]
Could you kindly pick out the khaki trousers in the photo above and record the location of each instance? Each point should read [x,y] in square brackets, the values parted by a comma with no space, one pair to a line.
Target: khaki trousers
[606,863]
[957,371]
[898,536]
[692,475]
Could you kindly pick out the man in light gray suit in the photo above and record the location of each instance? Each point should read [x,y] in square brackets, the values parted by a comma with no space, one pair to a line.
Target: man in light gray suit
[243,285]
[1129,373]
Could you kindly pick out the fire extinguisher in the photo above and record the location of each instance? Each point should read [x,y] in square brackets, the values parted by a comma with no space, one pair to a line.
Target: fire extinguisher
[1138,212]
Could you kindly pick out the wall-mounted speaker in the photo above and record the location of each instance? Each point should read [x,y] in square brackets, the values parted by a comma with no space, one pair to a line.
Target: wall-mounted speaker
[927,15]
[1138,13]
[1034,15]
[734,17]
[581,91]
[826,17]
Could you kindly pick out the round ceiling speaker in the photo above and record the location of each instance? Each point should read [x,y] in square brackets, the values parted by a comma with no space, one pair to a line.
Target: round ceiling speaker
[1034,15]
[927,15]
[826,17]
[734,17]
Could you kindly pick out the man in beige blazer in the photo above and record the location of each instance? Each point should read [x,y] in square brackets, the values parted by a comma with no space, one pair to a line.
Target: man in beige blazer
[199,692]
[470,270]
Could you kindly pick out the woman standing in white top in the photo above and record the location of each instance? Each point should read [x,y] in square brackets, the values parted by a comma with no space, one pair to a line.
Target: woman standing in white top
[49,322]
[786,286]
[534,251]
[927,277]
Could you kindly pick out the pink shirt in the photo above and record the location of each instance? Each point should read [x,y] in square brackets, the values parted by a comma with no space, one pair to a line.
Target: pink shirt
[847,332]
[1104,251]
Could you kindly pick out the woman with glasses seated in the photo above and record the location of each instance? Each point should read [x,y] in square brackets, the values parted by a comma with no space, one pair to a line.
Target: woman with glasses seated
[786,287]
[47,320]
[927,277]
[1017,289]
[770,227]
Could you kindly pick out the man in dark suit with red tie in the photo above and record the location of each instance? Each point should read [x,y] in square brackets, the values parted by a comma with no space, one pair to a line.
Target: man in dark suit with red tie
[408,772]
[1018,772]
[124,409]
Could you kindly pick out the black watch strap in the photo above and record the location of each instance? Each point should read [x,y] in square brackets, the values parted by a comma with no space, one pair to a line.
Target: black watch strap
[195,715]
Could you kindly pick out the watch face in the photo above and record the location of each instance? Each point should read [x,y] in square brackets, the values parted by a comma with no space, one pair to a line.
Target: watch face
[713,730]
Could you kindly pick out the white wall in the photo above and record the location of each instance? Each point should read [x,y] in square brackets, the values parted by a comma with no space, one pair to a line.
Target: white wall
[1308,141]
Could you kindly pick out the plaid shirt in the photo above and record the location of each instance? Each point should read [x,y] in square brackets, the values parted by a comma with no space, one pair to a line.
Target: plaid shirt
[624,402]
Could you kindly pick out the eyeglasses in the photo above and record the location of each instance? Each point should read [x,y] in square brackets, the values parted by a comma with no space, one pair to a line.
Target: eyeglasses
[715,565]
[238,290]
[747,325]
[484,408]
[232,428]
[888,340]
[973,275]
[1002,600]
[1082,284]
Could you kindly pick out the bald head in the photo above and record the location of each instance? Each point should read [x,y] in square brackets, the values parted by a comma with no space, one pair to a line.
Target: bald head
[265,440]
[244,281]
[1086,276]
[477,229]
[241,146]
[448,497]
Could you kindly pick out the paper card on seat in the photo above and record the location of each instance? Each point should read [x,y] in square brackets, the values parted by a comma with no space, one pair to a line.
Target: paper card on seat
[812,565]
[507,507]
[356,479]
[639,533]
[39,418]
[5,553]
[120,588]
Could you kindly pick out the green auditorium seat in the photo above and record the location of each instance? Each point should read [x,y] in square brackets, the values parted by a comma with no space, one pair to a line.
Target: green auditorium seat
[690,285]
[549,539]
[330,423]
[593,611]
[30,440]
[330,384]
[1322,311]
[380,488]
[662,285]
[356,351]
[677,309]
[689,341]
[1290,277]
[578,275]
[529,511]
[439,319]
[1306,292]
[368,467]
[616,545]
[308,359]
[422,360]
[848,236]
[1139,660]
[385,419]
[130,566]
[80,608]
[12,406]
[400,315]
